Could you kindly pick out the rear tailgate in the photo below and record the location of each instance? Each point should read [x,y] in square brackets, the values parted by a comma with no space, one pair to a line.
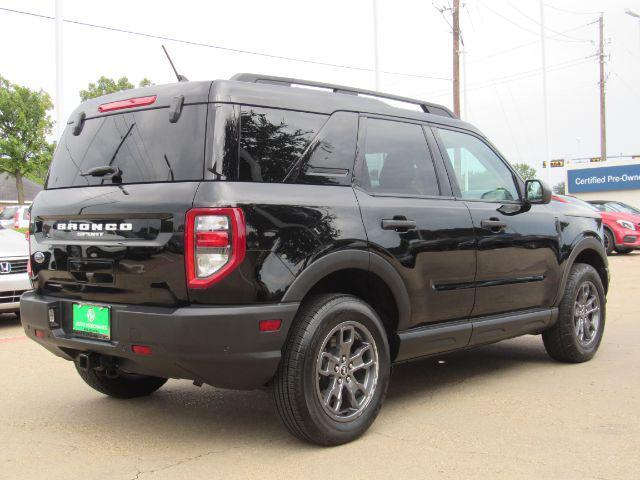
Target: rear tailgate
[109,226]
[113,244]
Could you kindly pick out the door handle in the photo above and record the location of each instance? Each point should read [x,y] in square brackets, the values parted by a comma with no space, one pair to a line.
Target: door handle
[398,224]
[493,224]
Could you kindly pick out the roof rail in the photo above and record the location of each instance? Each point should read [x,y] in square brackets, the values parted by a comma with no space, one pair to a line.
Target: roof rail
[284,81]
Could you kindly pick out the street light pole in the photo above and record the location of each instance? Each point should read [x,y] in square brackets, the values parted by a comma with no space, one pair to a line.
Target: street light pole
[545,98]
[636,16]
[376,62]
[60,120]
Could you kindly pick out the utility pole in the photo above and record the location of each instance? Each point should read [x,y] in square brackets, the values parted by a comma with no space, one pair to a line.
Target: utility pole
[545,98]
[603,117]
[376,63]
[60,120]
[456,57]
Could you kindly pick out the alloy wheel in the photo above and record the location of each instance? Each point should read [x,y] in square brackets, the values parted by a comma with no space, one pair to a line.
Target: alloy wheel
[347,371]
[586,313]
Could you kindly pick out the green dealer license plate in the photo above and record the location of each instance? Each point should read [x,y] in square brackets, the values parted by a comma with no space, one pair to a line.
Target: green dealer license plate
[92,320]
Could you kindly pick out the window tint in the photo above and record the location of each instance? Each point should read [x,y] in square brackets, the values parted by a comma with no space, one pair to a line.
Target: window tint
[481,174]
[330,156]
[272,141]
[397,159]
[144,145]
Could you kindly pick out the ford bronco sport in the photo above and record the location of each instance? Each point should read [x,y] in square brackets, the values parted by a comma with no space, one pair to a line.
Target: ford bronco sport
[250,233]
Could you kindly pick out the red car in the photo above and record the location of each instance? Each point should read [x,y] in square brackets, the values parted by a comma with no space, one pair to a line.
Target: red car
[621,227]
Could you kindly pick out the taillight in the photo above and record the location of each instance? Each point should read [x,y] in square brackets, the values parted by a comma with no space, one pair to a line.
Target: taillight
[27,216]
[16,219]
[215,244]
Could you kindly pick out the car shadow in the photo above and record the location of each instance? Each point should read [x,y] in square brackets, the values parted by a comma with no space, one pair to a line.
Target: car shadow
[8,321]
[228,417]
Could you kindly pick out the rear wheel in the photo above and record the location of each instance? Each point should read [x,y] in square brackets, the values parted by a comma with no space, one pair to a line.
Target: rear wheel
[609,242]
[334,372]
[577,333]
[121,386]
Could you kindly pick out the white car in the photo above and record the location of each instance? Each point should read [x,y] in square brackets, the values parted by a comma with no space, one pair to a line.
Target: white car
[14,281]
[14,216]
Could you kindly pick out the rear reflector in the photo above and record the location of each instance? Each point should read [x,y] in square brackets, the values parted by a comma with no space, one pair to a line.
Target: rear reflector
[39,333]
[269,325]
[141,349]
[128,103]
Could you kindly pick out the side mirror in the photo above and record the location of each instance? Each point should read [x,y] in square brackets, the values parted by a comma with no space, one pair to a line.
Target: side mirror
[536,192]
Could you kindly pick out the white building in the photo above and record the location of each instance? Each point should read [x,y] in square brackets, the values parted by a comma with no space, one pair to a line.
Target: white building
[615,179]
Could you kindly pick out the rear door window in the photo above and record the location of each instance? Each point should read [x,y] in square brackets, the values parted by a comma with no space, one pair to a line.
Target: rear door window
[143,144]
[397,160]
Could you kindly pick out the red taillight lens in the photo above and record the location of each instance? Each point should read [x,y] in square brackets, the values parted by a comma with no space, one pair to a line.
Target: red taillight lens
[16,219]
[215,244]
[128,103]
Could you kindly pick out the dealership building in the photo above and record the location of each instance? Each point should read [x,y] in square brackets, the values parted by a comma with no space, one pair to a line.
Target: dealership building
[615,179]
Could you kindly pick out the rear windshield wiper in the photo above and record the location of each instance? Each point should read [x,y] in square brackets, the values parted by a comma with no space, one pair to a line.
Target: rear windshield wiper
[101,171]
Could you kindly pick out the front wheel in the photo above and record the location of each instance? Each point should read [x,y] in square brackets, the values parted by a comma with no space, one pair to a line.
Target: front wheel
[334,372]
[576,335]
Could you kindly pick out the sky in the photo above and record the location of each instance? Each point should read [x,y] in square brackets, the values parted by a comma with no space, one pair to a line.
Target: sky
[501,40]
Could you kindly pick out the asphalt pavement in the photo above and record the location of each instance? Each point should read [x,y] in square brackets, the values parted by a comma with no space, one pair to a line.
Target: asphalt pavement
[501,411]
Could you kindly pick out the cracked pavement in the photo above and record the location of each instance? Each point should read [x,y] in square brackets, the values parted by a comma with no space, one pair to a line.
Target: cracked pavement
[501,411]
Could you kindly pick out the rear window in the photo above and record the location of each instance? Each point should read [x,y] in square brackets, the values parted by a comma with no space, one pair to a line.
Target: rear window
[144,145]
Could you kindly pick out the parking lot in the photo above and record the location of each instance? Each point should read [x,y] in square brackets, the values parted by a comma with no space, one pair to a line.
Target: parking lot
[501,411]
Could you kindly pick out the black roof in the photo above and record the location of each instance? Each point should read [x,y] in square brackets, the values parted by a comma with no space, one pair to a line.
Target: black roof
[277,92]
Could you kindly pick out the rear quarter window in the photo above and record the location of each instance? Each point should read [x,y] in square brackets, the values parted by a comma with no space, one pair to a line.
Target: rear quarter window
[284,146]
[143,144]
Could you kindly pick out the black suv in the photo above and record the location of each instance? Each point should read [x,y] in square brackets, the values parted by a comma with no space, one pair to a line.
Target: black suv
[257,232]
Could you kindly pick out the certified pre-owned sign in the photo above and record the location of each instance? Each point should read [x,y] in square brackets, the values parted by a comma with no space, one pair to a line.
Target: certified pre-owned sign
[624,177]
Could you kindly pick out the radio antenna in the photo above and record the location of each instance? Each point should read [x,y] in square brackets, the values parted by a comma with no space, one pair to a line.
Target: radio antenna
[181,78]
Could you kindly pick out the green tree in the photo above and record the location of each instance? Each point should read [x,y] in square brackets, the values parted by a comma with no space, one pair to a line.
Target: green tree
[559,188]
[525,170]
[24,126]
[106,85]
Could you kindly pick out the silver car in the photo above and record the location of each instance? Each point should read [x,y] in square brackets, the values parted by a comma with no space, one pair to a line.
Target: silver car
[14,280]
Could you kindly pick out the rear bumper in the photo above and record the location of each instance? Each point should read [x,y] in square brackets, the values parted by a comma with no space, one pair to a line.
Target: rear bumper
[221,346]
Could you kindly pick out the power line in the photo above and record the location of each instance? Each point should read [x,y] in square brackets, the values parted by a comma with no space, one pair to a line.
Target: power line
[522,45]
[521,75]
[571,38]
[508,20]
[573,12]
[219,47]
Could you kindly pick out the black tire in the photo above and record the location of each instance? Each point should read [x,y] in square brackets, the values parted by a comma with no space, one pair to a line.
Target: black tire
[624,251]
[609,241]
[123,386]
[297,385]
[562,341]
